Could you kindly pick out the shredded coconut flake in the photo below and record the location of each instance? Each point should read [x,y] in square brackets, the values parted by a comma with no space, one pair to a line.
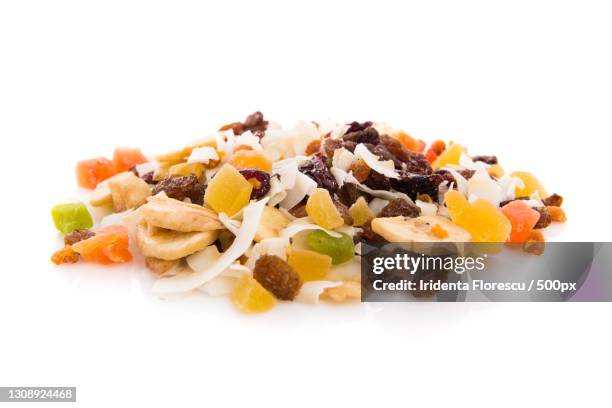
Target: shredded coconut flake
[147,167]
[311,291]
[203,155]
[303,224]
[304,186]
[427,208]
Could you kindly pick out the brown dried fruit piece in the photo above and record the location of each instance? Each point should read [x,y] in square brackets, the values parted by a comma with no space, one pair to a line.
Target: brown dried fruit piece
[349,193]
[535,243]
[277,276]
[414,162]
[399,207]
[554,200]
[65,255]
[485,159]
[254,122]
[77,235]
[181,187]
[368,234]
[330,146]
[545,218]
[344,212]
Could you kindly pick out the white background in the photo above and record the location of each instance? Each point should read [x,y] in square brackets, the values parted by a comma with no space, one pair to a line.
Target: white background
[529,81]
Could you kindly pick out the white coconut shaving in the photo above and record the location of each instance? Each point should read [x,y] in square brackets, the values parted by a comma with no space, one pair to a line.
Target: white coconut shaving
[333,128]
[427,208]
[225,141]
[248,139]
[481,185]
[219,286]
[508,185]
[304,224]
[461,182]
[177,284]
[312,291]
[147,167]
[271,246]
[203,259]
[289,143]
[277,192]
[203,155]
[288,170]
[466,162]
[343,159]
[304,186]
[385,167]
[231,224]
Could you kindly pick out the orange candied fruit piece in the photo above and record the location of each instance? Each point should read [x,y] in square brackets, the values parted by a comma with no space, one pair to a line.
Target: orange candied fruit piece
[556,214]
[65,255]
[410,143]
[309,265]
[522,218]
[109,245]
[532,185]
[450,155]
[249,296]
[481,219]
[439,231]
[124,158]
[91,172]
[251,159]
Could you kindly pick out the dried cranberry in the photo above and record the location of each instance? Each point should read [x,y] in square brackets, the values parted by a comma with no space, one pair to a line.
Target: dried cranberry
[262,178]
[415,184]
[178,187]
[485,159]
[400,207]
[356,126]
[317,170]
[367,135]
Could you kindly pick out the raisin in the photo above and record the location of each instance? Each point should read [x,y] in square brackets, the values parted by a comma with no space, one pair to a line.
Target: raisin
[545,218]
[149,177]
[509,201]
[367,135]
[254,122]
[384,154]
[262,186]
[446,176]
[467,173]
[356,126]
[377,181]
[368,234]
[415,184]
[331,145]
[313,147]
[400,207]
[485,159]
[349,193]
[77,236]
[197,194]
[554,200]
[344,212]
[413,162]
[299,211]
[360,170]
[317,170]
[177,187]
[277,276]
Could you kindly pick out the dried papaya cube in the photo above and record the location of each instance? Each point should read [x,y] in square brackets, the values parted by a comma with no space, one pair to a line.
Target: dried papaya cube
[70,217]
[91,172]
[522,218]
[109,245]
[124,158]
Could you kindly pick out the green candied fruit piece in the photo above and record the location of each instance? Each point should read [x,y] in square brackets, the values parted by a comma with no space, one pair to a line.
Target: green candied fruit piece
[339,249]
[72,216]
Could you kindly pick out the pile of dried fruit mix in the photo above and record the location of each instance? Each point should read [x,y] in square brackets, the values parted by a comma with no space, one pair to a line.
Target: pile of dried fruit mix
[262,213]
